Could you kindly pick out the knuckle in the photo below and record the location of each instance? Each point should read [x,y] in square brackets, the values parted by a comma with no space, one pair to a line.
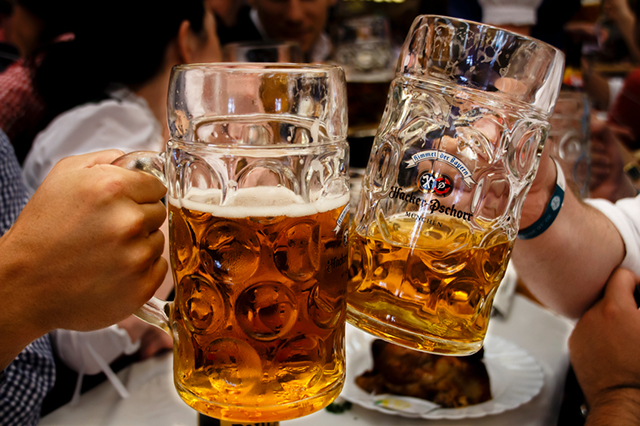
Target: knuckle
[145,254]
[135,224]
[143,258]
[111,186]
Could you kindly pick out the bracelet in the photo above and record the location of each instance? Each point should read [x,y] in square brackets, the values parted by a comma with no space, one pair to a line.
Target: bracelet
[551,212]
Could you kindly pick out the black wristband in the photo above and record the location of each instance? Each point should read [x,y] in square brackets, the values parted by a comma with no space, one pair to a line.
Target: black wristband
[551,212]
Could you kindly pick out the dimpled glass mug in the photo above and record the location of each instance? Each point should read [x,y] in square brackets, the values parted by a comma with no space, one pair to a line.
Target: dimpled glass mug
[454,156]
[258,190]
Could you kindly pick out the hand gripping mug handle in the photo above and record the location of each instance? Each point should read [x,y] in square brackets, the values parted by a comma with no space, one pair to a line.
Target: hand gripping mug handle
[155,311]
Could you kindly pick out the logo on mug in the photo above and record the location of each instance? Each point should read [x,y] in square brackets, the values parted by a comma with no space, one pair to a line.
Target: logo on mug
[433,182]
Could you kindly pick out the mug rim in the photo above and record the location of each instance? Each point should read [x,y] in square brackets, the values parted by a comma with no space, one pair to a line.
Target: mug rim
[273,147]
[539,65]
[257,67]
[495,28]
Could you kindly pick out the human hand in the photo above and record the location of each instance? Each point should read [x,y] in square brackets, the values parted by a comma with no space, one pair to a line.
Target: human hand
[85,251]
[605,344]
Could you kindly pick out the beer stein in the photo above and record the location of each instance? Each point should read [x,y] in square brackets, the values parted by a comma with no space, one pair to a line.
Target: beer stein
[453,158]
[258,190]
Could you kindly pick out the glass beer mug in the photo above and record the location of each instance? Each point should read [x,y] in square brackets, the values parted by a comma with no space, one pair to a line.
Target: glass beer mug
[454,156]
[258,191]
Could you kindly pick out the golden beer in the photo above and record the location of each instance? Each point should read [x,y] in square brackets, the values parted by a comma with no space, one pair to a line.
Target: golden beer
[260,303]
[432,288]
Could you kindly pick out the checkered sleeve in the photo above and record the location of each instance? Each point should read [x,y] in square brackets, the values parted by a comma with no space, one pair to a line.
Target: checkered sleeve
[13,195]
[27,380]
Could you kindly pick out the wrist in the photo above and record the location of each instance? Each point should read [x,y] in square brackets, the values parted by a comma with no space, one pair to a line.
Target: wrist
[551,209]
[540,193]
[19,316]
[621,404]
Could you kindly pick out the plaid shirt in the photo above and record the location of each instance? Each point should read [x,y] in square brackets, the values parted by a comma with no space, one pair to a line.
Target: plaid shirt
[26,381]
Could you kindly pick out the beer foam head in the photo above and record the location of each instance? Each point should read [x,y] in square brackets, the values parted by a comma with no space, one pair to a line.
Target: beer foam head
[262,201]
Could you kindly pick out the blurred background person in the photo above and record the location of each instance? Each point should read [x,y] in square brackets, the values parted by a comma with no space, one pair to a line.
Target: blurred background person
[301,21]
[225,11]
[123,104]
[615,131]
[31,27]
[609,50]
[8,52]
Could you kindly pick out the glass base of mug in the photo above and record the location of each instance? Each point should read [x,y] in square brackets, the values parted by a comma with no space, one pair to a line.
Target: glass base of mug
[260,413]
[409,339]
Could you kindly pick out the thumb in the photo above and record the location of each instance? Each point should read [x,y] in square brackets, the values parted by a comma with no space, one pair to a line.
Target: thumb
[620,287]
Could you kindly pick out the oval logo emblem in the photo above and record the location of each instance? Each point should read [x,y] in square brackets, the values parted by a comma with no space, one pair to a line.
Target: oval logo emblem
[433,182]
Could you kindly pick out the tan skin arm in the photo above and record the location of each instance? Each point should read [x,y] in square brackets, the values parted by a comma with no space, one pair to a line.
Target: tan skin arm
[620,13]
[567,266]
[84,253]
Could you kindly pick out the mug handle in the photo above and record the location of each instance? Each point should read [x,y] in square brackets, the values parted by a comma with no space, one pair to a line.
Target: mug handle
[155,311]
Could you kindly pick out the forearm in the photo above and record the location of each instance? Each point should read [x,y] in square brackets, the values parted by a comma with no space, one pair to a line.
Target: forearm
[16,328]
[567,266]
[620,407]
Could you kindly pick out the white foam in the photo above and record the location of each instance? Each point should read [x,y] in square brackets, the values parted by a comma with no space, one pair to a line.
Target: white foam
[263,201]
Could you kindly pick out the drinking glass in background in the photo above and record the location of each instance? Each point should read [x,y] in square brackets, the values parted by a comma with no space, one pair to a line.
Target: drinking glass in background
[262,51]
[363,49]
[363,46]
[569,139]
[258,191]
[455,153]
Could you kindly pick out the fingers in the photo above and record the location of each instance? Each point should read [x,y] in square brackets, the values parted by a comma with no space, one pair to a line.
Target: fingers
[143,256]
[153,278]
[155,215]
[99,157]
[620,288]
[141,187]
[156,242]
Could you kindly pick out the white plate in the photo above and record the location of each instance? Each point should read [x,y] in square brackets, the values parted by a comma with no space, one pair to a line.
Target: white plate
[515,379]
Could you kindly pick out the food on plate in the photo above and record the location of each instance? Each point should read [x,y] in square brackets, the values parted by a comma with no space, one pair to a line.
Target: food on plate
[451,382]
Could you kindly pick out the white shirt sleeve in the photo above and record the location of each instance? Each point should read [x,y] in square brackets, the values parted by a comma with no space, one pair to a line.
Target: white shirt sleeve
[113,123]
[625,215]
